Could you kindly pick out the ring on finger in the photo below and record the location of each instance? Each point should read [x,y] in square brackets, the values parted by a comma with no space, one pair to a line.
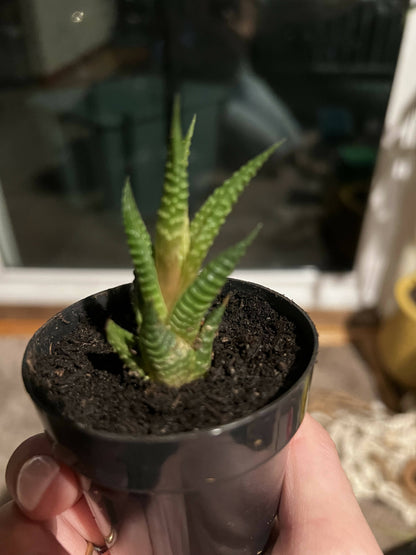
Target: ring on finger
[92,548]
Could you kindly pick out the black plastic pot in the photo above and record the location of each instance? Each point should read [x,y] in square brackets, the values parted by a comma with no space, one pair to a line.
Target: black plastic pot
[207,492]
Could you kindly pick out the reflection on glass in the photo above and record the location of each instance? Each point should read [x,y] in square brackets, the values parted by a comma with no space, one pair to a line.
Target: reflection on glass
[86,92]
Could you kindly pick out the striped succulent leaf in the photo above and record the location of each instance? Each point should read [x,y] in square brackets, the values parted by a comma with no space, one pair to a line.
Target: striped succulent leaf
[203,349]
[188,313]
[209,219]
[123,343]
[140,247]
[172,227]
[166,356]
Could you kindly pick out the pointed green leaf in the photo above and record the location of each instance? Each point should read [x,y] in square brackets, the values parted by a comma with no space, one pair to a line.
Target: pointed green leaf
[191,308]
[123,343]
[188,139]
[209,219]
[203,349]
[136,301]
[140,247]
[172,227]
[166,357]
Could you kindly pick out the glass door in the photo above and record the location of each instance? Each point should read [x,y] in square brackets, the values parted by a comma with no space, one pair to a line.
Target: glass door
[86,90]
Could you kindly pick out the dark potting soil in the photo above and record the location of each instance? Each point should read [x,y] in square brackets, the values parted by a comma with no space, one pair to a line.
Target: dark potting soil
[253,353]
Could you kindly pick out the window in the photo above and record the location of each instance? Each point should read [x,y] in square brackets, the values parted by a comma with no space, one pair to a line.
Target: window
[86,92]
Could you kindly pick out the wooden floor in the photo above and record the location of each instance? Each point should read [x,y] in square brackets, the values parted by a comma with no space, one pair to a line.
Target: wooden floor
[20,320]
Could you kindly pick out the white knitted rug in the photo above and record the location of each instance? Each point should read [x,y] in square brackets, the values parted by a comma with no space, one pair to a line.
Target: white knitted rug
[378,453]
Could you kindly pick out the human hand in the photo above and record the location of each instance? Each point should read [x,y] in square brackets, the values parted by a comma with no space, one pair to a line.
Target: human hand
[318,512]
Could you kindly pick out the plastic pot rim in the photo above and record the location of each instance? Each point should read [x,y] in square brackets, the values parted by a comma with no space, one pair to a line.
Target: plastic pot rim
[180,436]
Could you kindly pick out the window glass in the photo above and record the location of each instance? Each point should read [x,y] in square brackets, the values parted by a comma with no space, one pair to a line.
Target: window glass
[85,98]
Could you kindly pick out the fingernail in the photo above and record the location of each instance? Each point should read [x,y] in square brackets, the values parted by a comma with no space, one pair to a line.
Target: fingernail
[34,478]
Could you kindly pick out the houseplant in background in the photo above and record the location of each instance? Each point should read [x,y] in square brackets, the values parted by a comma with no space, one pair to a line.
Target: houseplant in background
[175,397]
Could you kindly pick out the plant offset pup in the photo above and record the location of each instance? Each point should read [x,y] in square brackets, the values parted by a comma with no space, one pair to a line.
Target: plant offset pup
[172,296]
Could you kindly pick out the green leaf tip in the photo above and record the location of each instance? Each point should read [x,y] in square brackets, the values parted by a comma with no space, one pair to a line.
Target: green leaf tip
[211,216]
[172,297]
[123,343]
[172,227]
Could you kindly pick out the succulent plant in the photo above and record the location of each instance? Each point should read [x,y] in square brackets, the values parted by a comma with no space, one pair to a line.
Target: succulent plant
[172,297]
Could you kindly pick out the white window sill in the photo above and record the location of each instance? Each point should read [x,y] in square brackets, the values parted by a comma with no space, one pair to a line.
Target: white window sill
[308,287]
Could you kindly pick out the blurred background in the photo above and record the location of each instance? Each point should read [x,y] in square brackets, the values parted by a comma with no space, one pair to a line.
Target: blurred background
[86,90]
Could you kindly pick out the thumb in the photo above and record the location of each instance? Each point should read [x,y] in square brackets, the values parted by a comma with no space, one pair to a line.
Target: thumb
[318,512]
[40,486]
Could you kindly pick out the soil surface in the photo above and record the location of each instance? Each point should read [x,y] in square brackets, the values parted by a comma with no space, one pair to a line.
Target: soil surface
[253,352]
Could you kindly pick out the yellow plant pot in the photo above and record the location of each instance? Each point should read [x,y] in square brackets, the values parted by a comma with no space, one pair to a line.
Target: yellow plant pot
[397,336]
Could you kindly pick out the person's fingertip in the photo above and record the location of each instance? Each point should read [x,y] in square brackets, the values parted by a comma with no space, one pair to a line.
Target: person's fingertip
[33,480]
[44,488]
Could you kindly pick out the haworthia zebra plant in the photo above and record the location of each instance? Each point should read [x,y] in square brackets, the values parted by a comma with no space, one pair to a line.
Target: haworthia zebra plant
[172,296]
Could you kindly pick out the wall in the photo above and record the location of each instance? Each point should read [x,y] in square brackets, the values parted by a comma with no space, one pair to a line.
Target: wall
[60,32]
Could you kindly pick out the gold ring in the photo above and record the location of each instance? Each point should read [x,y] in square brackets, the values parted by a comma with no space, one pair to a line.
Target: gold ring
[92,548]
[111,538]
